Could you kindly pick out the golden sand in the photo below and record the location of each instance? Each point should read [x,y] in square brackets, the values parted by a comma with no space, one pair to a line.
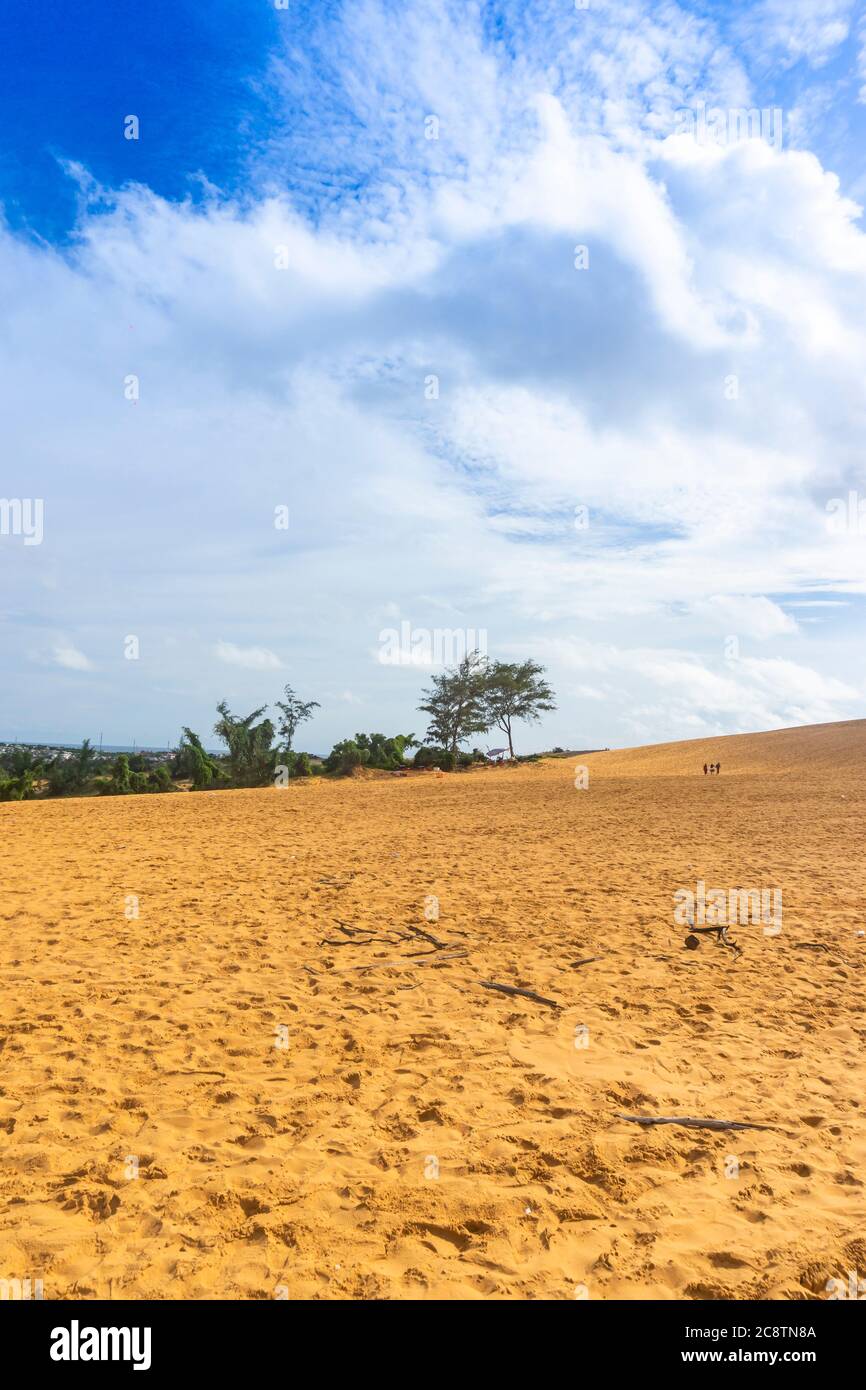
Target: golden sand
[420,1136]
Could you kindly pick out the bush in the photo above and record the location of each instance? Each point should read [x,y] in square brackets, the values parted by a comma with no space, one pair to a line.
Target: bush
[447,762]
[18,788]
[345,756]
[160,779]
[427,757]
[303,766]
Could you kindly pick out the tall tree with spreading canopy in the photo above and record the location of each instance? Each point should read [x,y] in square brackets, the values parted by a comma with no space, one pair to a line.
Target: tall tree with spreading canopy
[294,712]
[456,702]
[515,690]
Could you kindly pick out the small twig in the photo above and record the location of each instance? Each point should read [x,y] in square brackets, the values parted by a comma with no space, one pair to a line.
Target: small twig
[204,1072]
[525,993]
[587,960]
[428,936]
[382,940]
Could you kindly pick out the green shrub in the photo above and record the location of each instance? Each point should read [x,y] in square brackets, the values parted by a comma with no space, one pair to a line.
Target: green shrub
[447,762]
[303,766]
[18,788]
[345,756]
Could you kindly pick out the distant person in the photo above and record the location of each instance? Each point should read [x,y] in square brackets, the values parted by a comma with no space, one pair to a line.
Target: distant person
[706,769]
[718,767]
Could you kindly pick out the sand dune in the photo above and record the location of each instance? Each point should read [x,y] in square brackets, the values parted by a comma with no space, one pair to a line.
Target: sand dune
[420,1136]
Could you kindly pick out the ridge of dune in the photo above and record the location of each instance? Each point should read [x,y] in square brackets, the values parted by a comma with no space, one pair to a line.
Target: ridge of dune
[260,1087]
[774,750]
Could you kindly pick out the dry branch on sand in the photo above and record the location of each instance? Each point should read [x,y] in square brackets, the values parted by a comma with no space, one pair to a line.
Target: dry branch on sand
[689,1122]
[524,993]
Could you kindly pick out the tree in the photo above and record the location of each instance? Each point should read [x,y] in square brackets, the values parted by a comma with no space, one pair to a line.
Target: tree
[295,712]
[192,761]
[515,690]
[83,765]
[120,774]
[249,744]
[71,775]
[456,702]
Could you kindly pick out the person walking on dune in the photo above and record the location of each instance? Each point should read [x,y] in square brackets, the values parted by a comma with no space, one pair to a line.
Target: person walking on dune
[705,769]
[718,767]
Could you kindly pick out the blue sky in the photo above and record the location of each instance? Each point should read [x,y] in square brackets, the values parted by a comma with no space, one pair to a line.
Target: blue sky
[285,260]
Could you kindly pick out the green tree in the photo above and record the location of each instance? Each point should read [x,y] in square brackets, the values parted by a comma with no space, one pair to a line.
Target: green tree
[120,773]
[84,763]
[72,774]
[192,761]
[294,713]
[515,690]
[250,754]
[456,702]
[385,753]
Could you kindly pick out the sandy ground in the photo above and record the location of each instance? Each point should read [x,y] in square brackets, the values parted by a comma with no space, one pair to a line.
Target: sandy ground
[419,1136]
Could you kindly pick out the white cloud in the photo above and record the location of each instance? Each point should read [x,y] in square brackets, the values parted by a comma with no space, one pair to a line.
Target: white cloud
[250,658]
[745,615]
[68,656]
[790,30]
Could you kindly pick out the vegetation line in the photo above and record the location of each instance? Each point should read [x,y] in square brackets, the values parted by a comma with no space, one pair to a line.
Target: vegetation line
[468,699]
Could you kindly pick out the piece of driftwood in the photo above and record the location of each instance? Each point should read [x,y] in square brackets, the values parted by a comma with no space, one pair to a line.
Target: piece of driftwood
[811,945]
[720,933]
[689,1122]
[524,993]
[587,960]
